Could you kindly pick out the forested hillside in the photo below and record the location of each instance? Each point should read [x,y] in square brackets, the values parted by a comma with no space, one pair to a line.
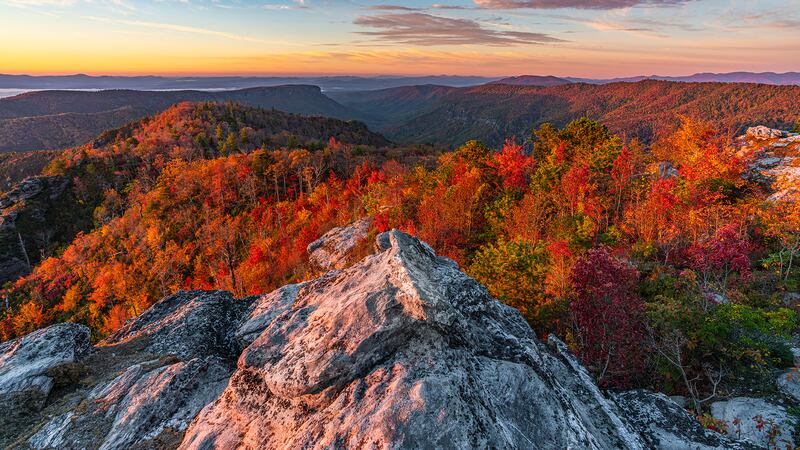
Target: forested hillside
[86,186]
[646,110]
[661,267]
[59,119]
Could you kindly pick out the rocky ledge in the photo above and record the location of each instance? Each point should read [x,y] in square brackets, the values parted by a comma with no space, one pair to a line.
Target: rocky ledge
[773,159]
[400,350]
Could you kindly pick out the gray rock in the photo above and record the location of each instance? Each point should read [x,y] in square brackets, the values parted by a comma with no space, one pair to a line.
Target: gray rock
[762,132]
[403,350]
[788,384]
[667,170]
[679,400]
[666,425]
[26,362]
[142,386]
[795,355]
[334,249]
[137,407]
[743,415]
[188,325]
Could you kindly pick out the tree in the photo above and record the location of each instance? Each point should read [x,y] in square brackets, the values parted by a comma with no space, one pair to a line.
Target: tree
[716,258]
[782,225]
[608,317]
[513,166]
[514,272]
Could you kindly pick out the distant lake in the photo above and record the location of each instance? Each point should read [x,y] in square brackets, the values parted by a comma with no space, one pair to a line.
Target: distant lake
[9,92]
[4,92]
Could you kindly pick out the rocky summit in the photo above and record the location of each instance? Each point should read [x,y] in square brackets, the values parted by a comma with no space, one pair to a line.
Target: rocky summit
[400,350]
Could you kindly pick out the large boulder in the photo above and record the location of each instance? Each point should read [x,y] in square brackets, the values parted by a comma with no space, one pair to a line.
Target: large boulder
[666,425]
[188,325]
[139,388]
[402,350]
[32,365]
[26,363]
[756,420]
[335,249]
[147,403]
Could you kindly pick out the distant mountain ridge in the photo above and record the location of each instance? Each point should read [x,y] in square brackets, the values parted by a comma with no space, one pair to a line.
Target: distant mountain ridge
[780,79]
[58,119]
[494,112]
[326,83]
[356,83]
[533,80]
[422,114]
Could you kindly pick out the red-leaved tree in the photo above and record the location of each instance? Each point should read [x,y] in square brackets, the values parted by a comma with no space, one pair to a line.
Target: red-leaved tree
[608,317]
[716,258]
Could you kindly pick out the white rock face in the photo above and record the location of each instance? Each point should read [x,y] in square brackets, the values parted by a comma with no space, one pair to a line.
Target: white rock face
[334,248]
[762,132]
[25,362]
[743,416]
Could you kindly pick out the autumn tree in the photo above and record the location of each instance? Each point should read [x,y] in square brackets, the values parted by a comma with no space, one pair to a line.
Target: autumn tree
[717,258]
[608,317]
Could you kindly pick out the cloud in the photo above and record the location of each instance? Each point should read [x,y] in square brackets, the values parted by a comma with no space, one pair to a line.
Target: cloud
[426,29]
[578,4]
[391,8]
[296,4]
[60,3]
[180,29]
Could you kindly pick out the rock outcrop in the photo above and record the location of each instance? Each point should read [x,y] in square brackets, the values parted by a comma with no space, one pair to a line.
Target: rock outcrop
[788,384]
[334,250]
[773,159]
[664,424]
[762,132]
[25,363]
[757,421]
[400,350]
[139,388]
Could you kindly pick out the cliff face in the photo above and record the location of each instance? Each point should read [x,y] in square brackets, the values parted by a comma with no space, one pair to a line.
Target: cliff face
[400,350]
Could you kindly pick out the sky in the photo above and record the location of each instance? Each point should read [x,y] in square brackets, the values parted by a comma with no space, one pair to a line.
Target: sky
[583,38]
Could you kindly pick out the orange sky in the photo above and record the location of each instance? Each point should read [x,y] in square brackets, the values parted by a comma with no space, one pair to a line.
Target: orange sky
[335,37]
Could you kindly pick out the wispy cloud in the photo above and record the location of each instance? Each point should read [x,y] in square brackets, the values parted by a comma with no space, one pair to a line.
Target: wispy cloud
[296,4]
[578,4]
[59,3]
[426,29]
[182,29]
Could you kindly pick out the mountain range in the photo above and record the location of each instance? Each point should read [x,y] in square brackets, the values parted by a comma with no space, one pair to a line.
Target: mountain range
[421,114]
[60,119]
[354,83]
[491,113]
